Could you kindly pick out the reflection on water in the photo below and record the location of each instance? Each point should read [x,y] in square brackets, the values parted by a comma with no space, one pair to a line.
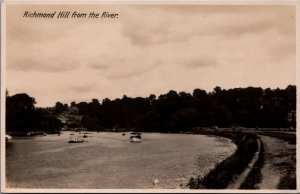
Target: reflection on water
[110,161]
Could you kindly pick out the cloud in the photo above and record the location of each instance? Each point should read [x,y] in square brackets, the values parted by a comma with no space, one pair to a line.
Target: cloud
[87,87]
[149,49]
[28,64]
[127,72]
[98,66]
[132,67]
[201,62]
[181,23]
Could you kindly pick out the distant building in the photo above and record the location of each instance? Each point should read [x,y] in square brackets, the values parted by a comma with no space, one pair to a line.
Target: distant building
[70,118]
[62,118]
[291,118]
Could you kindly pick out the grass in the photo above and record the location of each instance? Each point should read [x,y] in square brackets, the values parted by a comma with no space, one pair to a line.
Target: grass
[255,175]
[226,172]
[288,182]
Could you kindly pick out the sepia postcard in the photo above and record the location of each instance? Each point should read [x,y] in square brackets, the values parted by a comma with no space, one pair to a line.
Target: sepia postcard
[149,96]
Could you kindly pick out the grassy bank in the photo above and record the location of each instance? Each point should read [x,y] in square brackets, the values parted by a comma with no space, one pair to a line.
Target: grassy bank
[228,170]
[255,176]
[288,181]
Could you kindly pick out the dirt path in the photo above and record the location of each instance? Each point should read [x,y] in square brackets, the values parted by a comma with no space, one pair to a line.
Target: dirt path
[280,161]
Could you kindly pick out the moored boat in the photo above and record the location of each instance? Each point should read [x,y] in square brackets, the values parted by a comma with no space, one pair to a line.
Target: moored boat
[136,137]
[75,139]
[8,137]
[33,133]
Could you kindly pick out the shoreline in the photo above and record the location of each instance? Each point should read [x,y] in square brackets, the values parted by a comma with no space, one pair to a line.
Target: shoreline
[229,170]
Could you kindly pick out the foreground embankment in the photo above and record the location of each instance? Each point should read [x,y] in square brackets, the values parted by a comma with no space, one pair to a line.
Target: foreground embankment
[279,169]
[227,172]
[272,165]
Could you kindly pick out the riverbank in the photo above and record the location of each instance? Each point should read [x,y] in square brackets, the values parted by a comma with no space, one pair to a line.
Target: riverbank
[227,171]
[275,167]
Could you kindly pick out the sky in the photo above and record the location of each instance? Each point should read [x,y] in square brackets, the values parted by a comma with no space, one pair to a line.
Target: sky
[148,49]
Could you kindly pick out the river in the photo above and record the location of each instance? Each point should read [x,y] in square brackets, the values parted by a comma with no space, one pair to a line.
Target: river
[110,161]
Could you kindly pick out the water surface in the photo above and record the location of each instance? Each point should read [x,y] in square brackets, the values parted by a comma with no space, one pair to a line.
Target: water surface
[110,161]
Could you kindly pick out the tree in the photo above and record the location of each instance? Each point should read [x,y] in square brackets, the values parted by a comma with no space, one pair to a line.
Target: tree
[20,113]
[59,108]
[152,99]
[181,119]
[73,104]
[22,116]
[170,112]
[217,89]
[198,93]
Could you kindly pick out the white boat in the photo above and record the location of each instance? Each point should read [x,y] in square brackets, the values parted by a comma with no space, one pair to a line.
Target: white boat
[75,139]
[32,133]
[135,140]
[8,137]
[136,137]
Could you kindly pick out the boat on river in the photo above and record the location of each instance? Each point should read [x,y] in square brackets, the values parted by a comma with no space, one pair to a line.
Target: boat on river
[75,139]
[32,133]
[8,137]
[135,137]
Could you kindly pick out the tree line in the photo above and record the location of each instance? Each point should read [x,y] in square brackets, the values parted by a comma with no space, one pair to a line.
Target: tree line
[175,112]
